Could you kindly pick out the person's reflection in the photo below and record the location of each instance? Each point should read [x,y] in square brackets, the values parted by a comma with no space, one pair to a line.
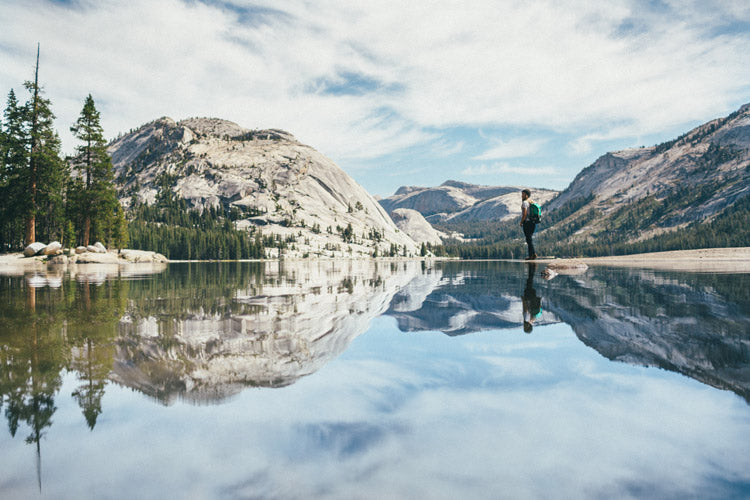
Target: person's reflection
[532,304]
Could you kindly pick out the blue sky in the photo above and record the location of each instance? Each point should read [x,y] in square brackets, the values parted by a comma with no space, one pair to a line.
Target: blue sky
[397,93]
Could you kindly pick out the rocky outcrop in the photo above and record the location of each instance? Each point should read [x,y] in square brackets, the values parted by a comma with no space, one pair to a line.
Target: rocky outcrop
[503,207]
[412,223]
[278,185]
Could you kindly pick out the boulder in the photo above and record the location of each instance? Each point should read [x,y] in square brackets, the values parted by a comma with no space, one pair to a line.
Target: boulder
[97,258]
[141,256]
[54,248]
[81,250]
[91,249]
[33,249]
[100,248]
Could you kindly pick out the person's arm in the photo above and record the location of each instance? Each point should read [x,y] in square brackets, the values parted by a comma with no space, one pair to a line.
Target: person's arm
[524,210]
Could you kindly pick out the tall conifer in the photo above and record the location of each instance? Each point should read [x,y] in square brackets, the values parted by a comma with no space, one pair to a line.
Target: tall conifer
[92,197]
[45,175]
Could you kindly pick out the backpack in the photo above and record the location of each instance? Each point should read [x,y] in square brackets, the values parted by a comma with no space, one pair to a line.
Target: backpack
[535,213]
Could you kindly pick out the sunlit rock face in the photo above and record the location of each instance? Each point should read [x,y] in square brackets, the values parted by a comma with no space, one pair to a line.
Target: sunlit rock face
[278,184]
[269,333]
[414,224]
[687,323]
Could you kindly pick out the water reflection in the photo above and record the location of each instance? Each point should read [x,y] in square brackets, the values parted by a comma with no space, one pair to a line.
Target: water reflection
[203,332]
[694,324]
[282,323]
[532,304]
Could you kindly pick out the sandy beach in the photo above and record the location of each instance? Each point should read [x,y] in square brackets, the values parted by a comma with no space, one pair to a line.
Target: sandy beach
[734,260]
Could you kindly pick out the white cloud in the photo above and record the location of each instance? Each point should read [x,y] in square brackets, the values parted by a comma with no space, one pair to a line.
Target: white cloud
[445,148]
[512,148]
[581,68]
[505,168]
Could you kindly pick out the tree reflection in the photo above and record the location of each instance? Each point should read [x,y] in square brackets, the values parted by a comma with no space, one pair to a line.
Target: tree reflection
[33,356]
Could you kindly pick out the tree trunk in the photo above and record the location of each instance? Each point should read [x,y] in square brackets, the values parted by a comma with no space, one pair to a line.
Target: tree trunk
[30,230]
[86,230]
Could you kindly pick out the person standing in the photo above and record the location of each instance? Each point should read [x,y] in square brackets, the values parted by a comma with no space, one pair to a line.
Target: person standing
[528,222]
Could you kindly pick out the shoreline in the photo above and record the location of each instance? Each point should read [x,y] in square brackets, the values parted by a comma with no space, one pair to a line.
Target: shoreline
[733,259]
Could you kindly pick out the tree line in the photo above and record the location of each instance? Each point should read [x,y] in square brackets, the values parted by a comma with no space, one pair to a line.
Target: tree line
[45,196]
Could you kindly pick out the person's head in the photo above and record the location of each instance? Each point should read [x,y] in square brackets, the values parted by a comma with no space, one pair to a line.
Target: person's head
[525,194]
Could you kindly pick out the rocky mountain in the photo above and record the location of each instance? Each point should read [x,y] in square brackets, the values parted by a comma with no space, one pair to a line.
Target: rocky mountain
[279,186]
[637,194]
[461,201]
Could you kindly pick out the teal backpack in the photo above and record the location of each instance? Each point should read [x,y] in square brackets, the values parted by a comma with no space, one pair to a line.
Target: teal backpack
[535,213]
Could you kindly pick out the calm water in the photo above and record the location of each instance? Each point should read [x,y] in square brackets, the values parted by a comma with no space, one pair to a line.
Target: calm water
[355,380]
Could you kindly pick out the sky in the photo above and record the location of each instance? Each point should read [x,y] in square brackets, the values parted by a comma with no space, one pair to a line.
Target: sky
[396,93]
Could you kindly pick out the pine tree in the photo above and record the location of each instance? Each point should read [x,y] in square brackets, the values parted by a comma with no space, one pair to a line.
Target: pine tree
[92,201]
[44,178]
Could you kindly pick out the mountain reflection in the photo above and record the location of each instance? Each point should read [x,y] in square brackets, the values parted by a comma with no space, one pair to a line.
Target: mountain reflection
[203,332]
[692,323]
[281,324]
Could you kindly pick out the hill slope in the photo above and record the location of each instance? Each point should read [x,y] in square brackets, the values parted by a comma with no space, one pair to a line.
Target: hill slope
[639,194]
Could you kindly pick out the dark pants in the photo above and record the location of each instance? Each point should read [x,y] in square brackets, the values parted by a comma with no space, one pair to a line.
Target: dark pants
[528,231]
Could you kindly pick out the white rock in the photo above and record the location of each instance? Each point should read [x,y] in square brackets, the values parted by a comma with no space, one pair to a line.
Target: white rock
[414,224]
[141,256]
[34,249]
[54,248]
[81,249]
[58,260]
[97,258]
[100,248]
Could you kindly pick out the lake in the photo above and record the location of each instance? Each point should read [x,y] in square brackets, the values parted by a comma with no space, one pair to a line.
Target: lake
[360,379]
